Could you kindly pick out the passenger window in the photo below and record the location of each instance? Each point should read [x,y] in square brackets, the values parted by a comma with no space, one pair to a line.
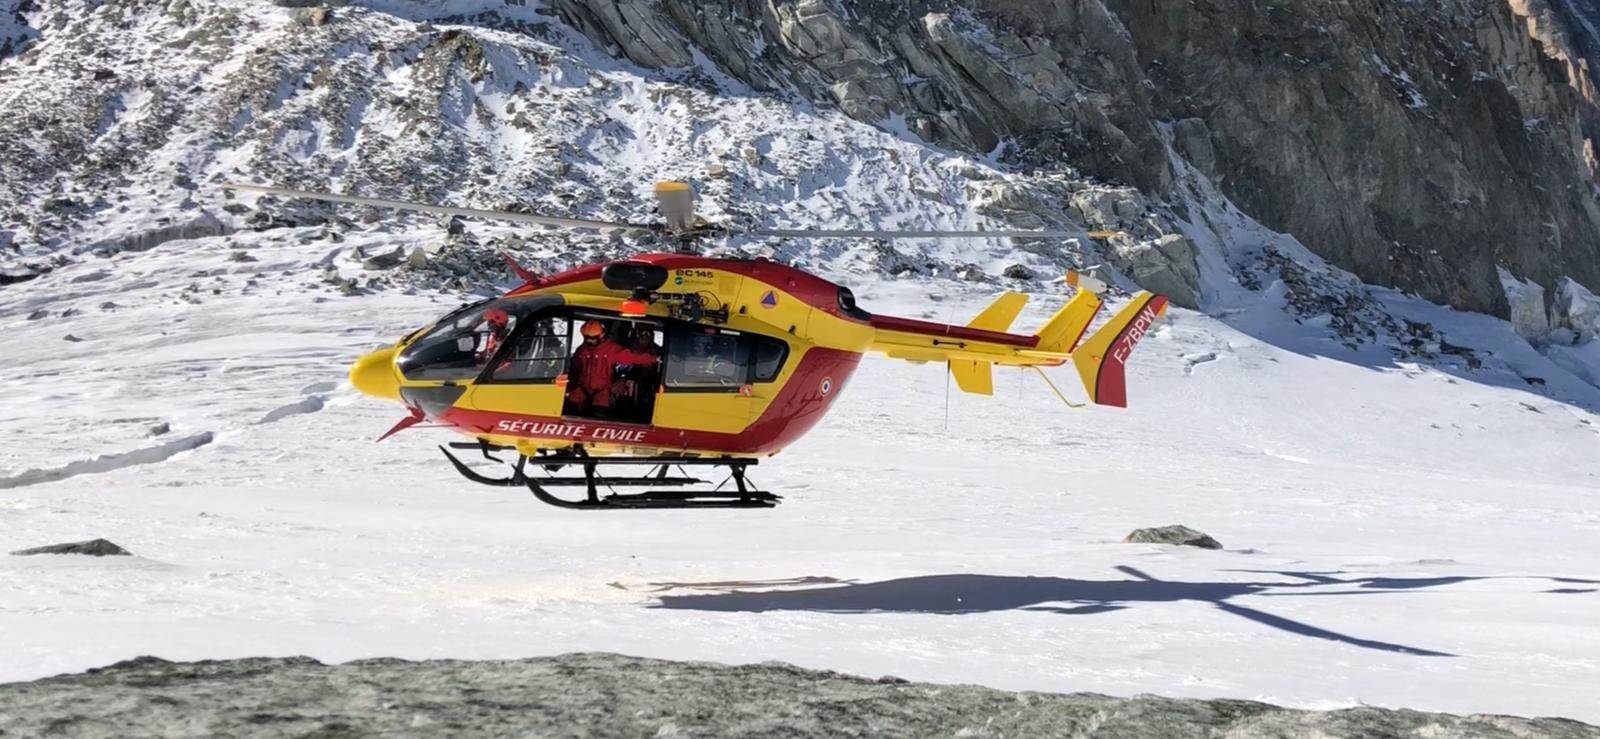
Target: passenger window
[702,361]
[770,354]
[539,355]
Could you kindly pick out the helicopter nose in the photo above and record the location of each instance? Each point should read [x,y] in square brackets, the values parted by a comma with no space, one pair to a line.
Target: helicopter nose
[374,374]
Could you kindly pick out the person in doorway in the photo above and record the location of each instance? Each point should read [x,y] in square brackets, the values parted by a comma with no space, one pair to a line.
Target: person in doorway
[633,394]
[589,375]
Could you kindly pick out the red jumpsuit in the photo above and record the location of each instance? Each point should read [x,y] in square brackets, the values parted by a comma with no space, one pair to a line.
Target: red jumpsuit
[589,374]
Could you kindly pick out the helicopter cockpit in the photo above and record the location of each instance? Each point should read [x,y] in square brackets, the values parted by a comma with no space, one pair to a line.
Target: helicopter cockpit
[461,344]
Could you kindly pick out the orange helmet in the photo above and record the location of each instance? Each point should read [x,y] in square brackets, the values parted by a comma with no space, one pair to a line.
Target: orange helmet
[593,328]
[496,315]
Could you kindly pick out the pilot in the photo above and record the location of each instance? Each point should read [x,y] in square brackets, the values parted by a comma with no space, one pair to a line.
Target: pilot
[497,322]
[589,373]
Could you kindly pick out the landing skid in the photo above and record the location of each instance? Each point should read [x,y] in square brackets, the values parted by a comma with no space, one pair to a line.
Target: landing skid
[539,474]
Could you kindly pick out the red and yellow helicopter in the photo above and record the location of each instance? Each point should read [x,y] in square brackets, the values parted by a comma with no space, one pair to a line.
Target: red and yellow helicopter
[565,371]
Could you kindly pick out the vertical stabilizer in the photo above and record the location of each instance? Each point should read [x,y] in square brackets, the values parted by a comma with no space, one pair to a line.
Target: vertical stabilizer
[1102,359]
[1064,329]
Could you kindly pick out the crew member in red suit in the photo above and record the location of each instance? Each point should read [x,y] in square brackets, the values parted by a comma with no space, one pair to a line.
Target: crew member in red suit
[589,372]
[497,322]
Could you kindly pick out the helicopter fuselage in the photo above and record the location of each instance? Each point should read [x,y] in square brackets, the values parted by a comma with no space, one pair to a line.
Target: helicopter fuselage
[785,344]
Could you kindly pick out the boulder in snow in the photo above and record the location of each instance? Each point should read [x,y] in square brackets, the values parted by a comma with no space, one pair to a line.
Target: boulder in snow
[1577,309]
[1166,265]
[418,259]
[1175,535]
[1528,316]
[312,17]
[384,260]
[92,547]
[9,275]
[1096,207]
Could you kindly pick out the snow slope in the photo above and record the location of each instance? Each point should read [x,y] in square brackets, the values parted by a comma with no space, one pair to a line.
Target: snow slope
[1397,535]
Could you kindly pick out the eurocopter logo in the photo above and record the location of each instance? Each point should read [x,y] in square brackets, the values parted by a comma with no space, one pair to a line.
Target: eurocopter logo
[693,276]
[1136,331]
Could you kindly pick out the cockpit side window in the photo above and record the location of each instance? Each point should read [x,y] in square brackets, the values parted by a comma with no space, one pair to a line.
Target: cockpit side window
[460,346]
[768,360]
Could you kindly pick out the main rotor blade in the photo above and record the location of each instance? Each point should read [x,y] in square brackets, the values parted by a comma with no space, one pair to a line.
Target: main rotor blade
[499,215]
[827,234]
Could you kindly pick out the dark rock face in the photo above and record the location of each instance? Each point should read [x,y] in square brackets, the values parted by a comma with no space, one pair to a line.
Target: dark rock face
[1418,145]
[609,695]
[93,548]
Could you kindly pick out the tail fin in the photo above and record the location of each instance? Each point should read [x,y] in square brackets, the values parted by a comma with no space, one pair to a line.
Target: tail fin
[1102,359]
[1062,332]
[973,375]
[976,376]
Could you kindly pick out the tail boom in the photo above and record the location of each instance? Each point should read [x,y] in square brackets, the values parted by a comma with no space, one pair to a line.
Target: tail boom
[971,351]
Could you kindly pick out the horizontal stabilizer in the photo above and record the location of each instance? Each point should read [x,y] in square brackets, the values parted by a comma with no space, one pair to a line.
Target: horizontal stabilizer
[999,315]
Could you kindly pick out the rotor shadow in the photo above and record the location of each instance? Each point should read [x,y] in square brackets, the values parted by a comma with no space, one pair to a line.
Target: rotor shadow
[964,594]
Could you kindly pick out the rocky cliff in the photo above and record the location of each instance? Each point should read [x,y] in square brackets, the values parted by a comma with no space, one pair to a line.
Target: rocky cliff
[1418,145]
[610,695]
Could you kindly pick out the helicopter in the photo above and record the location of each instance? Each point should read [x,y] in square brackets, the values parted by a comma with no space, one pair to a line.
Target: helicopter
[563,373]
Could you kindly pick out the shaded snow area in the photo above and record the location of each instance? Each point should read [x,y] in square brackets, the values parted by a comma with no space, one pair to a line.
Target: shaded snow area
[1395,534]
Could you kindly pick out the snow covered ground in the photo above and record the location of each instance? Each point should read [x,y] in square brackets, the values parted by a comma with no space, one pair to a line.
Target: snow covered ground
[1396,534]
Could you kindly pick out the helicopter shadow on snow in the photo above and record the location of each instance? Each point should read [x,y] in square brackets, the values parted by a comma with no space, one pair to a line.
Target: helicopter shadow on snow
[965,594]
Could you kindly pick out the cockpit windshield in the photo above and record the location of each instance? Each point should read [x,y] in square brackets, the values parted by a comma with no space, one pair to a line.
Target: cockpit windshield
[459,347]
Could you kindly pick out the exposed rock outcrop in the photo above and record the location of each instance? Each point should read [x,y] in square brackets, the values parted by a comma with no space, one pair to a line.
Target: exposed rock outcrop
[610,695]
[1417,145]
